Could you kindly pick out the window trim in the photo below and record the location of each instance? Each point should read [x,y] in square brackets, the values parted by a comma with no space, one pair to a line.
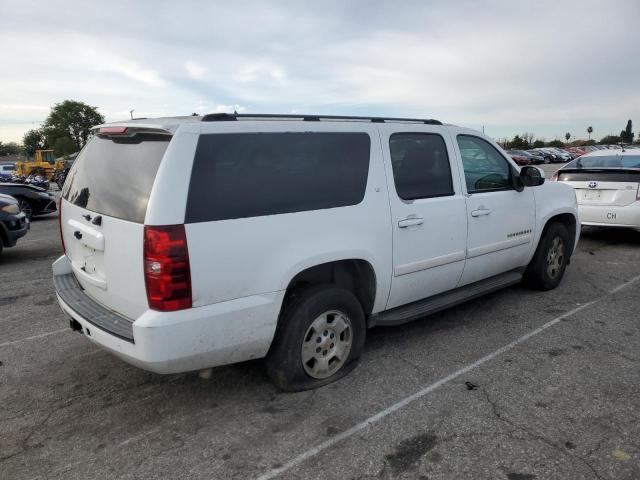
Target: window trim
[511,169]
[411,200]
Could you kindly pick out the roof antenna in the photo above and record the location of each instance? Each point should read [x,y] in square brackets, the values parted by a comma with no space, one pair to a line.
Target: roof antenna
[131,113]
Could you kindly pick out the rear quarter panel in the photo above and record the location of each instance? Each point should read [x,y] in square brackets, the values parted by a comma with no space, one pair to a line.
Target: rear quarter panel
[249,256]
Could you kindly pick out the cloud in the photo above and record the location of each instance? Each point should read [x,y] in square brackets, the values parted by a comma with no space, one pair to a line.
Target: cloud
[546,66]
[229,109]
[195,70]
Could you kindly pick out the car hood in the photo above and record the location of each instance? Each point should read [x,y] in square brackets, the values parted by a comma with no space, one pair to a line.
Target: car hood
[7,199]
[22,185]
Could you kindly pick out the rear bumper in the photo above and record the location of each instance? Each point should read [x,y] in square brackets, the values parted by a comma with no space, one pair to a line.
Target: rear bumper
[627,216]
[186,340]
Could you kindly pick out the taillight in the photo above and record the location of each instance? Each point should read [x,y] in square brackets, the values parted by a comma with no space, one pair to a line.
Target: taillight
[166,268]
[64,250]
[554,177]
[113,130]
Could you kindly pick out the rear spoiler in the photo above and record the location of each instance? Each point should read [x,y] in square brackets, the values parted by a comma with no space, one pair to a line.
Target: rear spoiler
[129,130]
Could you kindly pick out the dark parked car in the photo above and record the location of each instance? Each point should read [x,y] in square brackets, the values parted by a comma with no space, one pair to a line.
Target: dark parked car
[32,200]
[531,156]
[518,158]
[13,223]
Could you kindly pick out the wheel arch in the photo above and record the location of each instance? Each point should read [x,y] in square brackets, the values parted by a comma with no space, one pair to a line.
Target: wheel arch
[570,222]
[354,274]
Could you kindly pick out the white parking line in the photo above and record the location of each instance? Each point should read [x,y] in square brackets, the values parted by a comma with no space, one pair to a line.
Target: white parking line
[421,393]
[34,337]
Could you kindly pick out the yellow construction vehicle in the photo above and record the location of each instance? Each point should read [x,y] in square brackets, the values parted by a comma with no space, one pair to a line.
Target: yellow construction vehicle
[43,163]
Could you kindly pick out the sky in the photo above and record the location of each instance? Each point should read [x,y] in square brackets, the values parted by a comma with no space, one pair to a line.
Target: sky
[546,67]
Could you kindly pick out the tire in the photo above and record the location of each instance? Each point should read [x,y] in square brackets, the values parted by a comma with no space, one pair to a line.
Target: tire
[317,326]
[547,161]
[547,267]
[26,208]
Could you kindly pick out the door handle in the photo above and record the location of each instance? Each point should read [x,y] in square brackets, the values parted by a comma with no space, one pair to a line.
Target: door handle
[480,212]
[409,221]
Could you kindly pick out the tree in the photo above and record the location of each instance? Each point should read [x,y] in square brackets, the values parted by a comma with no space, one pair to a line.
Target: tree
[11,148]
[517,143]
[567,136]
[626,135]
[72,120]
[609,140]
[528,138]
[34,140]
[589,131]
[555,143]
[64,146]
[538,143]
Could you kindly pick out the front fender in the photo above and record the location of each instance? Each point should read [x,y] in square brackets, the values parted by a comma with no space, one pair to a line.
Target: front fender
[553,199]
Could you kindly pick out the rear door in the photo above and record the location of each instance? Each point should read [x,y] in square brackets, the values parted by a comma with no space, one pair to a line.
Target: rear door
[427,210]
[104,203]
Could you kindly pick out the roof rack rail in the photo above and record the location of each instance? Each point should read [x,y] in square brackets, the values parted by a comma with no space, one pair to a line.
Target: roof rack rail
[223,117]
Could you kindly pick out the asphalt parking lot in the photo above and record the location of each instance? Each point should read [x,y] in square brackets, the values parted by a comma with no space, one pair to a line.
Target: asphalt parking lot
[518,385]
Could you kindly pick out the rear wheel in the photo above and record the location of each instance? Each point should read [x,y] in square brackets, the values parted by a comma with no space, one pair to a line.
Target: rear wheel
[319,339]
[547,267]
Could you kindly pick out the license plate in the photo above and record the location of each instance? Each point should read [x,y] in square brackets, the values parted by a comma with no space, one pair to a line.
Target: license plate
[592,195]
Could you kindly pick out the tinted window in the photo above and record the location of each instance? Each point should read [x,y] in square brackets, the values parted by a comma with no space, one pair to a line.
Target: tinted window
[420,165]
[114,176]
[613,161]
[251,174]
[485,168]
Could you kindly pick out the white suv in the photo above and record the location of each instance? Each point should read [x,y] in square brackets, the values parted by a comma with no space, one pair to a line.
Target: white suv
[201,241]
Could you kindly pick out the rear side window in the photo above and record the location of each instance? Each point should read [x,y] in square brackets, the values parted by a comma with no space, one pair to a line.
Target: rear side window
[114,176]
[421,166]
[242,175]
[485,169]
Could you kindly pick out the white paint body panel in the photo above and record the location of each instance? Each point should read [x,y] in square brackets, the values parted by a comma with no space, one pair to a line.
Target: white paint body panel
[107,260]
[240,268]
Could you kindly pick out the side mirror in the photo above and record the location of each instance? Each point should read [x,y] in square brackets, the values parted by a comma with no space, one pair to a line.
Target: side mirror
[531,176]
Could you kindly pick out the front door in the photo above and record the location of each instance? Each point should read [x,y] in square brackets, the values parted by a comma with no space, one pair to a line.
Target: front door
[501,220]
[428,212]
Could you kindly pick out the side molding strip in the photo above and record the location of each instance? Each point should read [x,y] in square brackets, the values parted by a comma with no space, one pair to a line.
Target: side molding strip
[429,263]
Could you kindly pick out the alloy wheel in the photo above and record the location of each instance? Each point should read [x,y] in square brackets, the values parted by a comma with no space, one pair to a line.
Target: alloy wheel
[327,344]
[555,257]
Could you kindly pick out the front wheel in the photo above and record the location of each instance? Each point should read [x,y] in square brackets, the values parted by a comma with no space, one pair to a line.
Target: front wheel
[547,267]
[26,208]
[319,338]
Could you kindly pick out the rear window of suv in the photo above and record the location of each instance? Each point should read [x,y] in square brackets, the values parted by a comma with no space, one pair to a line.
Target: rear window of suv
[114,176]
[241,175]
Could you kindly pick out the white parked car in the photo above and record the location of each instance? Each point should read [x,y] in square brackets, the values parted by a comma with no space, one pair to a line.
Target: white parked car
[607,185]
[196,242]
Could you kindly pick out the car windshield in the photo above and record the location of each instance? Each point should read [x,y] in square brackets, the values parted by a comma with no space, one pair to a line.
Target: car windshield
[606,161]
